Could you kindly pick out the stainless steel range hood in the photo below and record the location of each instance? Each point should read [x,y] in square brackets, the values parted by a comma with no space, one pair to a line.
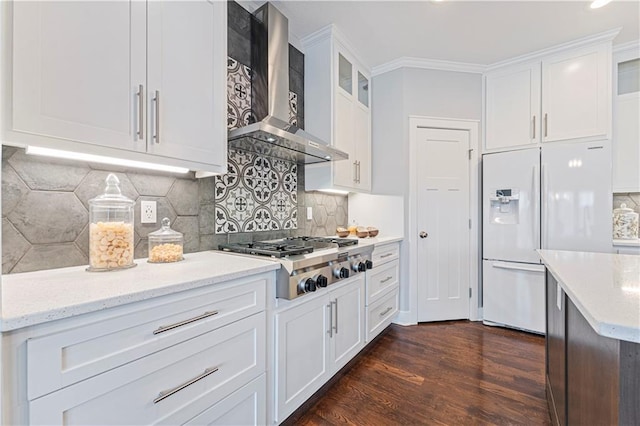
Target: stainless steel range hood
[271,134]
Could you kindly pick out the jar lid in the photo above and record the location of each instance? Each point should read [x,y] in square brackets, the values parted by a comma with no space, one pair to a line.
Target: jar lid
[112,196]
[622,209]
[165,233]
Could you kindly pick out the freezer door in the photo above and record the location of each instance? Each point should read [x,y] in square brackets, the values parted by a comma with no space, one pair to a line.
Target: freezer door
[576,183]
[511,224]
[513,295]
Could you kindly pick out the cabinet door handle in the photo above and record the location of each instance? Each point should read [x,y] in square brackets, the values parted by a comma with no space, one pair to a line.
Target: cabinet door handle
[355,172]
[166,394]
[336,328]
[546,124]
[534,127]
[386,311]
[140,95]
[358,171]
[156,99]
[164,328]
[330,306]
[386,279]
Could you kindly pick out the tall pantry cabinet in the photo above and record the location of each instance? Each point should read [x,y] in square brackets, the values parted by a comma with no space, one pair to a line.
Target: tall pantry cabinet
[127,79]
[337,109]
[559,94]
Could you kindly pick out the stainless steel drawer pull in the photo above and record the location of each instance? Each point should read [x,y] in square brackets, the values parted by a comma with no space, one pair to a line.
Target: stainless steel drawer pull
[164,328]
[335,302]
[386,255]
[166,394]
[546,124]
[157,119]
[140,111]
[386,311]
[386,279]
[330,306]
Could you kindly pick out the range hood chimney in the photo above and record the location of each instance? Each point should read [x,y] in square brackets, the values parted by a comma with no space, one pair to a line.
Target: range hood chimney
[271,134]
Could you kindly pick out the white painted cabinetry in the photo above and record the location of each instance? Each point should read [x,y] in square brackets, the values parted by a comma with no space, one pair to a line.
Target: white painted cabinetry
[626,131]
[134,80]
[560,94]
[337,109]
[197,356]
[314,339]
[382,289]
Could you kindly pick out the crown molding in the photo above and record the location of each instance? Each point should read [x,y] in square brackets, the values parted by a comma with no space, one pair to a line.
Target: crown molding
[331,31]
[574,44]
[630,46]
[431,64]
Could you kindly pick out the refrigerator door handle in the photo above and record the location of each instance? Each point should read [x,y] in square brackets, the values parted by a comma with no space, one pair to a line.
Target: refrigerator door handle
[536,206]
[518,267]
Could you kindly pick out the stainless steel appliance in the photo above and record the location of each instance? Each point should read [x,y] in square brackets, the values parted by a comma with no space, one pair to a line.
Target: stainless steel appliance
[309,263]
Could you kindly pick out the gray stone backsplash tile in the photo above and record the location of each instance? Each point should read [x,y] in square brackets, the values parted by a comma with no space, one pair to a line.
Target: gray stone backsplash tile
[42,256]
[13,189]
[48,174]
[159,186]
[14,246]
[94,183]
[183,196]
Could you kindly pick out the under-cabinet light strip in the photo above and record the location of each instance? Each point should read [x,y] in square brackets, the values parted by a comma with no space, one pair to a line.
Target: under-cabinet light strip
[48,152]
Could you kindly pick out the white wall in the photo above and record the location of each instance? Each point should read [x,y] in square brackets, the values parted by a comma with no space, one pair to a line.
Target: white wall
[385,212]
[395,96]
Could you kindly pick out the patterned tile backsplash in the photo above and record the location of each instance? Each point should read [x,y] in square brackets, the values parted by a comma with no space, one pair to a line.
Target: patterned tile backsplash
[258,194]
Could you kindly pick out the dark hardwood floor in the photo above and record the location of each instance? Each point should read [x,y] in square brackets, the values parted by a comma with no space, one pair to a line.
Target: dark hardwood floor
[448,373]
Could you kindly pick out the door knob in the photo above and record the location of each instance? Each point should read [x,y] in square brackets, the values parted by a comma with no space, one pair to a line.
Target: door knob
[423,234]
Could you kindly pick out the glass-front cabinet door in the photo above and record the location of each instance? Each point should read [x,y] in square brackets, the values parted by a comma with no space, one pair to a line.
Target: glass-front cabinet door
[363,89]
[345,74]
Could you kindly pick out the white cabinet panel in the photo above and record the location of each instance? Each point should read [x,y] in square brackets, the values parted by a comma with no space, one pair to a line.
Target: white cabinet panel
[246,406]
[380,313]
[348,322]
[344,172]
[190,376]
[76,70]
[302,349]
[185,71]
[381,279]
[576,100]
[513,107]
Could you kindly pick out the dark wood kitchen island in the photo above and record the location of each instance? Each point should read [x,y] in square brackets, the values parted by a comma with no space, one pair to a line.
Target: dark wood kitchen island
[593,337]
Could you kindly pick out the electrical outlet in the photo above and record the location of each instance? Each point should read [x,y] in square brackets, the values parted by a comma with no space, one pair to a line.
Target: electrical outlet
[309,213]
[148,212]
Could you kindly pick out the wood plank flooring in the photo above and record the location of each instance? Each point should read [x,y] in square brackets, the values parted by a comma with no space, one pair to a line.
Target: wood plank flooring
[447,373]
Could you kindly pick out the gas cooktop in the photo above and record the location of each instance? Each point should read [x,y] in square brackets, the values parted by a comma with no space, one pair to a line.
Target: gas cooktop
[287,246]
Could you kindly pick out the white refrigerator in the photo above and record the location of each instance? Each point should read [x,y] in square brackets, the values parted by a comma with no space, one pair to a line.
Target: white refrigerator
[555,197]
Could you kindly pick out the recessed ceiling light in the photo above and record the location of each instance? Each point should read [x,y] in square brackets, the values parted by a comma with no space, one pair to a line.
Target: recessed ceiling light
[595,4]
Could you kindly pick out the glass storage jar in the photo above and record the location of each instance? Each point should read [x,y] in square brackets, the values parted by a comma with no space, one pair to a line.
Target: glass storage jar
[165,244]
[111,229]
[625,223]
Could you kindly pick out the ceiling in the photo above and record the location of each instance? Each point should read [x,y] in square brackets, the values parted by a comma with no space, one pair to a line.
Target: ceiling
[476,32]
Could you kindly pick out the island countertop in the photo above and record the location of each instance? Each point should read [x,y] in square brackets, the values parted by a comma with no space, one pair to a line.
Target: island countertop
[604,287]
[36,297]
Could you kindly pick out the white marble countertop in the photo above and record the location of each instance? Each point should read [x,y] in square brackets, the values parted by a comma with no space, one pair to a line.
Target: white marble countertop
[604,287]
[627,243]
[36,297]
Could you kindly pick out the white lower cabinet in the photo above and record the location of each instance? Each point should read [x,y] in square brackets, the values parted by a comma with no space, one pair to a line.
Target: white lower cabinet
[383,287]
[314,339]
[192,357]
[246,406]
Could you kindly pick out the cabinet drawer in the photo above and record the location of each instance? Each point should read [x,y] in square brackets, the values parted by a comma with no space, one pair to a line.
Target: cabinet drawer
[171,386]
[385,253]
[380,314]
[380,279]
[246,406]
[61,359]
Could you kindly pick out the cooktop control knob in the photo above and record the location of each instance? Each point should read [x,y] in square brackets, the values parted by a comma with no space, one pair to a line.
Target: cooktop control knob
[362,267]
[368,264]
[307,285]
[341,272]
[321,281]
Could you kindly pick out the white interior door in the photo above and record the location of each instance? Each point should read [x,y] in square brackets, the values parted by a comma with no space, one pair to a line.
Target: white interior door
[443,222]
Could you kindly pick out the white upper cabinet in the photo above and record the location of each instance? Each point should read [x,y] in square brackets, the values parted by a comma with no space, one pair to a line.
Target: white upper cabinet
[135,80]
[344,117]
[76,70]
[513,107]
[560,94]
[576,94]
[626,131]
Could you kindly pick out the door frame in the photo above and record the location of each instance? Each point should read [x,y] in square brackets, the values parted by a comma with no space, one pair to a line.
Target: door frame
[473,127]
